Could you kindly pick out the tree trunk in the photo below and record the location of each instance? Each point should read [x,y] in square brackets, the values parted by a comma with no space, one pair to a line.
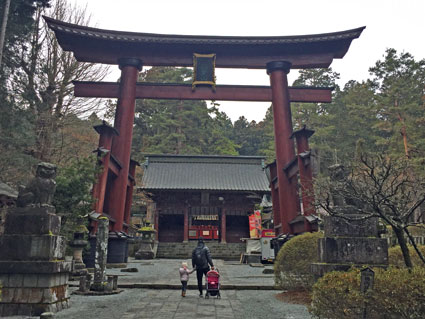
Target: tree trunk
[403,246]
[3,28]
[403,131]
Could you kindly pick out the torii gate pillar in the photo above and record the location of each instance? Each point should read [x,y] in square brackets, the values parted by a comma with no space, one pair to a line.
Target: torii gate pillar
[305,173]
[285,148]
[121,144]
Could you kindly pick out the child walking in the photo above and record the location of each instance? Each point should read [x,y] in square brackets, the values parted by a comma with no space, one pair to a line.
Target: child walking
[184,277]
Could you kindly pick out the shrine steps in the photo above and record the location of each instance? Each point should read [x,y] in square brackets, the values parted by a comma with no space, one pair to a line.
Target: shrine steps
[229,251]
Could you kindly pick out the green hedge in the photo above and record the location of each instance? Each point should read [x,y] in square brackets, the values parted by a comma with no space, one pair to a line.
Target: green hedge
[397,293]
[292,264]
[395,257]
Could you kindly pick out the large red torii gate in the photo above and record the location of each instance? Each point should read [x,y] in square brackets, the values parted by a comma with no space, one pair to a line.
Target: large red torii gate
[130,51]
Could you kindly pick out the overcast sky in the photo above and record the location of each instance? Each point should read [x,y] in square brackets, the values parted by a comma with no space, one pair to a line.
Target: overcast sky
[398,24]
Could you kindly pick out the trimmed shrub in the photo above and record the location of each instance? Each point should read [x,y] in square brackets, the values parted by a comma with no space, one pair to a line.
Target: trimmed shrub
[292,264]
[397,293]
[337,295]
[395,257]
[400,293]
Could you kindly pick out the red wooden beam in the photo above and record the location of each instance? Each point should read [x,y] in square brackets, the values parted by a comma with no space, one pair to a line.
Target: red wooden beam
[114,166]
[108,54]
[184,92]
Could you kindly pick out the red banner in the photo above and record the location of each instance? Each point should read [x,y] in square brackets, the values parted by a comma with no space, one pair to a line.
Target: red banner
[255,225]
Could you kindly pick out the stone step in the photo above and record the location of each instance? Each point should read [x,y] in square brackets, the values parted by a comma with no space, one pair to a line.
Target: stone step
[229,251]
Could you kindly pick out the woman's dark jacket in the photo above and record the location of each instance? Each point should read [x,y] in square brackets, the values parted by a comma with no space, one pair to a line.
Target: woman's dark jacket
[201,257]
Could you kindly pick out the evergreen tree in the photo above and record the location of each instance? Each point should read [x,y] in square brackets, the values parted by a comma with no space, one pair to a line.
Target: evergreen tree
[178,127]
[248,136]
[399,81]
[348,119]
[267,147]
[19,27]
[16,127]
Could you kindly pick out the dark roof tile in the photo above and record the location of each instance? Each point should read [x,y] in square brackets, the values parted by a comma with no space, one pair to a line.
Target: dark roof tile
[182,172]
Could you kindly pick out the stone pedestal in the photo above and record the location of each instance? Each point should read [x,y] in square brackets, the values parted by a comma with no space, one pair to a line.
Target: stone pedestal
[350,241]
[33,272]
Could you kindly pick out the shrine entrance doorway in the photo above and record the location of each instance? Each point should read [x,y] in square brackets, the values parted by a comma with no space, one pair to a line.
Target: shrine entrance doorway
[276,55]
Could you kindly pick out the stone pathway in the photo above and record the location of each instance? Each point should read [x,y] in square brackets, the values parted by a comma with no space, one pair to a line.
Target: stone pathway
[167,304]
[163,273]
[137,302]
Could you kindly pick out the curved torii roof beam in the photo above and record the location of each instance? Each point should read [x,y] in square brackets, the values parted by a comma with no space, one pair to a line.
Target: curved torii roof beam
[106,46]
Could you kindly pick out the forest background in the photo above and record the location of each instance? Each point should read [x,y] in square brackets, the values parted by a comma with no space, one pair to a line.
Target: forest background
[41,120]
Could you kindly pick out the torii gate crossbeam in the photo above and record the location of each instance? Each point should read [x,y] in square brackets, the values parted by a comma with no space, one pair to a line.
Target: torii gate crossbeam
[185,92]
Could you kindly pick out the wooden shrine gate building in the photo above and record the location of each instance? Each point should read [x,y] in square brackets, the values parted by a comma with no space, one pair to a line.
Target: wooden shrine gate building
[130,51]
[208,196]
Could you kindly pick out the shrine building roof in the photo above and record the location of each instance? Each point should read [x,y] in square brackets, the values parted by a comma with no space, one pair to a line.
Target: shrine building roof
[199,172]
[107,46]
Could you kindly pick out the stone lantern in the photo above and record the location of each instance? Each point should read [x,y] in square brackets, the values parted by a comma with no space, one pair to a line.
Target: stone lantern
[146,241]
[78,244]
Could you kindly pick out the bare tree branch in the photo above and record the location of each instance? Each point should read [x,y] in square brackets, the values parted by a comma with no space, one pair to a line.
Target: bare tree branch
[375,186]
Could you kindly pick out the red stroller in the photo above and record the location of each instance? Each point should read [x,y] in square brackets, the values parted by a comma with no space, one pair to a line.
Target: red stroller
[213,284]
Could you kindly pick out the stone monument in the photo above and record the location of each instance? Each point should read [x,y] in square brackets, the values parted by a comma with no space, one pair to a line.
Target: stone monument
[33,272]
[102,284]
[99,282]
[350,239]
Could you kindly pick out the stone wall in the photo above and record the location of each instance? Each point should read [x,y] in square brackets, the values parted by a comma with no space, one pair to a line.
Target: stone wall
[32,294]
[33,272]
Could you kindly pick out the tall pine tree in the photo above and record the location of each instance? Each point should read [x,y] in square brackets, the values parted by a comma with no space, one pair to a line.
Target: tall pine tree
[399,81]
